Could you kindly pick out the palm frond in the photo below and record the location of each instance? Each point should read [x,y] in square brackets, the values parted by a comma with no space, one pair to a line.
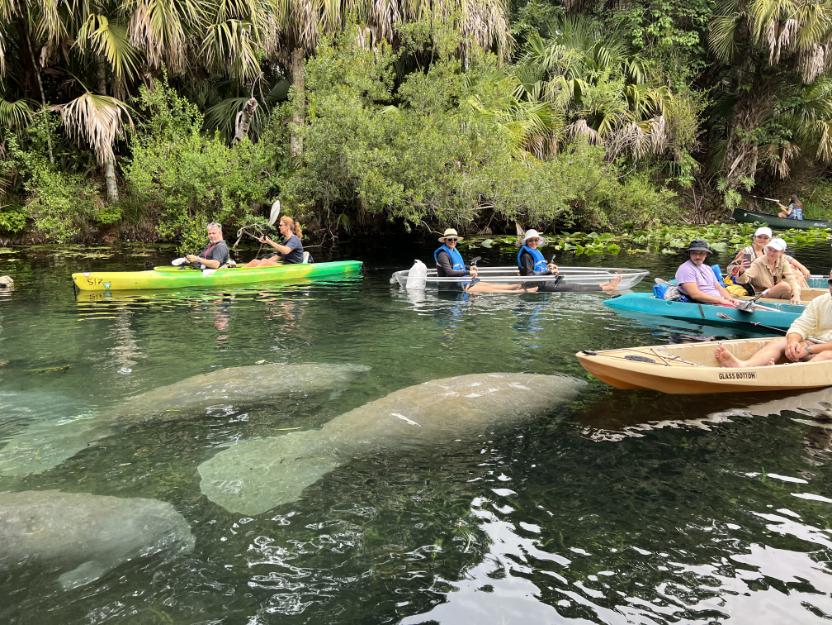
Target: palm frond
[222,116]
[109,39]
[96,120]
[14,116]
[228,46]
[721,36]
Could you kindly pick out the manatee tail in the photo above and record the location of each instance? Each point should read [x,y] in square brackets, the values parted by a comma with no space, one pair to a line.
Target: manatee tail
[257,475]
[41,447]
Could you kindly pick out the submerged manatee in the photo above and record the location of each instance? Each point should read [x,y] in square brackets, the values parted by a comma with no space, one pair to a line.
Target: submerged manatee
[85,535]
[44,446]
[256,475]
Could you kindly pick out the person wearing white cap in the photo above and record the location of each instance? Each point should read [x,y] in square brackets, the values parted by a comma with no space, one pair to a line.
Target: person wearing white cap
[449,264]
[808,338]
[773,274]
[750,253]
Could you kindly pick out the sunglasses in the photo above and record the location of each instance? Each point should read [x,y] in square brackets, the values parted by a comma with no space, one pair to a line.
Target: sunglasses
[451,239]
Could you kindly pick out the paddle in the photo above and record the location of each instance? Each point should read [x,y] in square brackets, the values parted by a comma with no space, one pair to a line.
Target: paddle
[275,212]
[770,199]
[753,323]
[473,281]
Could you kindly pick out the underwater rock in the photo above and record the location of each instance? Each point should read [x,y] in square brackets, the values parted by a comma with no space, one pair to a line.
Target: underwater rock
[256,475]
[45,445]
[86,535]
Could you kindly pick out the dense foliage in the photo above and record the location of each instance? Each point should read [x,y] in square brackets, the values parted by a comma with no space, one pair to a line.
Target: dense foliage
[145,119]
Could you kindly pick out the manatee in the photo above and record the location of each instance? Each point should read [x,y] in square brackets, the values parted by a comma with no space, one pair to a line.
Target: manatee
[254,476]
[44,446]
[86,535]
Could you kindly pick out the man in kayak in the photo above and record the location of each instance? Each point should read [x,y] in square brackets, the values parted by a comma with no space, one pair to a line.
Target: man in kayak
[531,262]
[289,250]
[215,255]
[449,264]
[698,281]
[793,211]
[808,338]
[773,274]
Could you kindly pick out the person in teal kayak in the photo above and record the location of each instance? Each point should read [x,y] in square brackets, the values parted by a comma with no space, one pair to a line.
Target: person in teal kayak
[531,262]
[289,250]
[793,211]
[449,264]
[215,255]
[698,281]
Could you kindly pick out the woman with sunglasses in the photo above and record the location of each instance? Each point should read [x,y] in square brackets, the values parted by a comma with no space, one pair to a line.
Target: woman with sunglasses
[449,264]
[289,250]
[750,253]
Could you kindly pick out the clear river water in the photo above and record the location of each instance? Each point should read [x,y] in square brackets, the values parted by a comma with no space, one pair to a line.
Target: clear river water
[618,507]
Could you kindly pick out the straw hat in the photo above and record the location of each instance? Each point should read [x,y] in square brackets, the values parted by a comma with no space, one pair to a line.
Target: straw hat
[449,232]
[531,233]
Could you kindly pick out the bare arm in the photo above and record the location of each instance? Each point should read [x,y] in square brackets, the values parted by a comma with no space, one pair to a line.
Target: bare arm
[694,292]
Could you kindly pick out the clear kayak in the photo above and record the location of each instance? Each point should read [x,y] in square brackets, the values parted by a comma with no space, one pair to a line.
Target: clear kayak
[169,277]
[586,278]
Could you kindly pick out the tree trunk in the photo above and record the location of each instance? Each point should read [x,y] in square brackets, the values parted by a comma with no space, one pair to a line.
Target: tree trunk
[109,166]
[243,121]
[299,101]
[42,94]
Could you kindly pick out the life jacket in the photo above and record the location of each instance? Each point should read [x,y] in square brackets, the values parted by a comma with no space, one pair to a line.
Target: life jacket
[797,213]
[457,264]
[540,265]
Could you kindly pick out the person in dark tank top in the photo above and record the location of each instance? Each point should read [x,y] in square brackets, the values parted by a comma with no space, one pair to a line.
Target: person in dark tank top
[289,250]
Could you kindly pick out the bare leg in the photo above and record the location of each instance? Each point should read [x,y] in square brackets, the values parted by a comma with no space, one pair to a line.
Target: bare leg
[780,291]
[767,355]
[612,285]
[483,287]
[262,262]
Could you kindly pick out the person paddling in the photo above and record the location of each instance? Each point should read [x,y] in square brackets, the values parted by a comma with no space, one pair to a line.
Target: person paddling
[793,211]
[215,255]
[449,264]
[290,248]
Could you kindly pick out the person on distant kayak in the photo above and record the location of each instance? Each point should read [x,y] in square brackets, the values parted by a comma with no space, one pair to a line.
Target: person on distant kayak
[793,211]
[750,253]
[698,281]
[289,250]
[215,255]
[449,264]
[531,262]
[773,274]
[808,338]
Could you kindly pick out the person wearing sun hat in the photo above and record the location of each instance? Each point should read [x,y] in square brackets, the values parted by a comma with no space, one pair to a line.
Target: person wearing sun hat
[750,253]
[449,264]
[808,338]
[773,274]
[698,281]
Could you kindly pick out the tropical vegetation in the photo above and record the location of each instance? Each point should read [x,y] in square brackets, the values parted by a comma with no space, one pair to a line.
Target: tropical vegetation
[143,119]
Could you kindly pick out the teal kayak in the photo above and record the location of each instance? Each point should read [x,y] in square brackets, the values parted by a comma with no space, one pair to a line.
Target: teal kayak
[771,316]
[169,277]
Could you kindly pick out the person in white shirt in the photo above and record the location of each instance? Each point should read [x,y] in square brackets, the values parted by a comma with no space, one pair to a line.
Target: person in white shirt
[809,338]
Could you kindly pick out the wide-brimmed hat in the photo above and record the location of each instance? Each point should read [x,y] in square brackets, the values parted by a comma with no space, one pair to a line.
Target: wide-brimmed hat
[699,245]
[763,230]
[449,232]
[531,233]
[777,244]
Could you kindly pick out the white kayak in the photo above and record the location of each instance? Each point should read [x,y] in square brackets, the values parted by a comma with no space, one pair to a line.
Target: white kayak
[582,278]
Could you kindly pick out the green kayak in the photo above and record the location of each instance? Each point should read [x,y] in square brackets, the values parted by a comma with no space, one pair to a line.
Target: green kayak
[169,277]
[751,217]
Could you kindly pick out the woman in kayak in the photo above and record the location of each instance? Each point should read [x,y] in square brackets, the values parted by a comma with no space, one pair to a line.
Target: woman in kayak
[449,264]
[289,250]
[793,211]
[531,262]
[747,255]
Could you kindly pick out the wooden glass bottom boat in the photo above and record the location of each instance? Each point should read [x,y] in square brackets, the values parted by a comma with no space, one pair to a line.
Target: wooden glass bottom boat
[692,368]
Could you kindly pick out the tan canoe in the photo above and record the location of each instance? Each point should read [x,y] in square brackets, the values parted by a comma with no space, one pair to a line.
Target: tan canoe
[806,296]
[691,368]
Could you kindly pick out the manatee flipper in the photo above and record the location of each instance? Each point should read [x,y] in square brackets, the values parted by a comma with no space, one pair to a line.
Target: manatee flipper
[257,475]
[44,446]
[83,574]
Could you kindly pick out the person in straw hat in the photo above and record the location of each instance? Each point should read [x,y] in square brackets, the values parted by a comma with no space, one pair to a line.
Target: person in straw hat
[449,264]
[531,262]
[808,338]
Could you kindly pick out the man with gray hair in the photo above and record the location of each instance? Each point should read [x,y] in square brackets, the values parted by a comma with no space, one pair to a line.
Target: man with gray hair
[215,255]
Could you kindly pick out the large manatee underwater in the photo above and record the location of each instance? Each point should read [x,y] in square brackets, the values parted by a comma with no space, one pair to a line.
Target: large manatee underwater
[85,535]
[256,475]
[43,446]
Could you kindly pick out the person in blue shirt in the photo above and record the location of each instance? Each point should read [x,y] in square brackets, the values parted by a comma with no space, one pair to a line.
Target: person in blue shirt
[449,264]
[793,211]
[289,250]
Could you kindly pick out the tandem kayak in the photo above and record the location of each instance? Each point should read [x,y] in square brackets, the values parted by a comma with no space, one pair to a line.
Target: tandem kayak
[742,215]
[692,368]
[583,278]
[169,277]
[775,315]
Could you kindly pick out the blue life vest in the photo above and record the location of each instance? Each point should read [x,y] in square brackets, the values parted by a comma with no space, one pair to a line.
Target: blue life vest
[797,213]
[540,265]
[457,264]
[718,274]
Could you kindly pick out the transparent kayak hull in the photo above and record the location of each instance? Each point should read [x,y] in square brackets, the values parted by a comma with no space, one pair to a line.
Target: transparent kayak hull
[587,277]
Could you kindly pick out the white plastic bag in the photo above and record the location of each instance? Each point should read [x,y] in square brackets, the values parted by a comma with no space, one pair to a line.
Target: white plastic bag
[416,276]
